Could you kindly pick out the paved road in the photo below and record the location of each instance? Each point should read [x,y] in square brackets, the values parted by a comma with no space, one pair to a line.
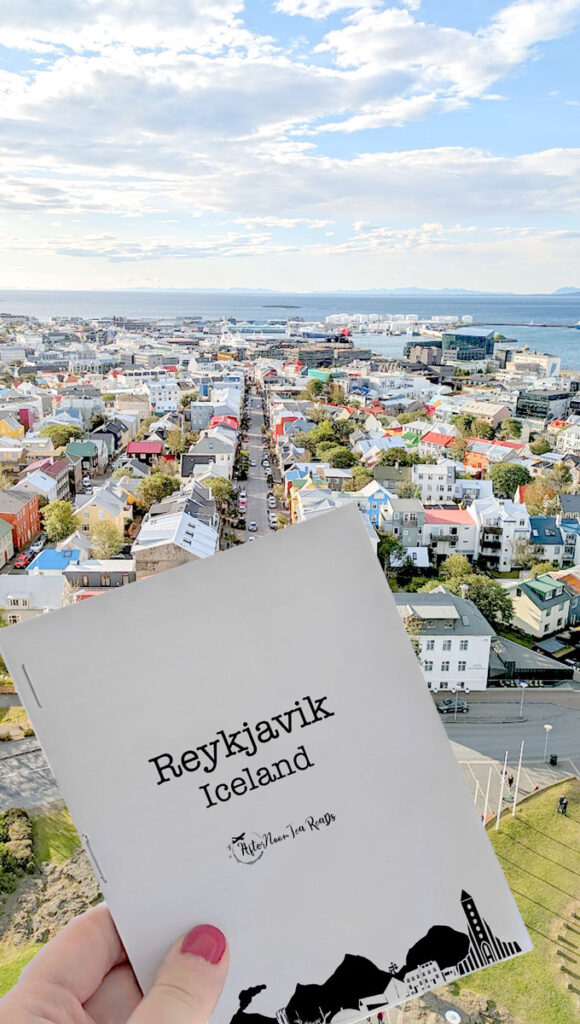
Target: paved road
[492,740]
[26,781]
[256,486]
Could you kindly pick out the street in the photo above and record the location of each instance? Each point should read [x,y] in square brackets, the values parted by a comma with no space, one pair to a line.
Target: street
[492,739]
[256,486]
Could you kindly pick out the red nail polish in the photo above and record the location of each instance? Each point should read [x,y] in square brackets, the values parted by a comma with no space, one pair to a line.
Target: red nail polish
[205,941]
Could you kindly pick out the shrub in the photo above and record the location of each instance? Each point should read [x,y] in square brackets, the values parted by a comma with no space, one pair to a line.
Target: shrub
[16,851]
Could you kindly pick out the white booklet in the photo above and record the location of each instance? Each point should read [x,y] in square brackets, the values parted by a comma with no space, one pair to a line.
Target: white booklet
[248,741]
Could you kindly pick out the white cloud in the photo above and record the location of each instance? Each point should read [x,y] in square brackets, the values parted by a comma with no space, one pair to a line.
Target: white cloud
[465,62]
[200,25]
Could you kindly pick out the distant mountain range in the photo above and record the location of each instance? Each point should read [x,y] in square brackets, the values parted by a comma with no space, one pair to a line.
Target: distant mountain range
[353,291]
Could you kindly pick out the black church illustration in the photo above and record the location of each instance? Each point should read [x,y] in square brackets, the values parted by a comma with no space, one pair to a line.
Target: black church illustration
[359,988]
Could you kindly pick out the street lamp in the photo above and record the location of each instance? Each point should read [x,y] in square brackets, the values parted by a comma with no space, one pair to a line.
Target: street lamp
[523,687]
[548,729]
[457,690]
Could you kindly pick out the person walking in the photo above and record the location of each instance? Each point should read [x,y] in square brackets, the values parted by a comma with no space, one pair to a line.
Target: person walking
[564,805]
[510,781]
[559,807]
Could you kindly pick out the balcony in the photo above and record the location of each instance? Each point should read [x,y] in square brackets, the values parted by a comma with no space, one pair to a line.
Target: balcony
[493,530]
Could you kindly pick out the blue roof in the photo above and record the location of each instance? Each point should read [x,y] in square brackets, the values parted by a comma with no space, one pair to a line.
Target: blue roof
[545,530]
[50,558]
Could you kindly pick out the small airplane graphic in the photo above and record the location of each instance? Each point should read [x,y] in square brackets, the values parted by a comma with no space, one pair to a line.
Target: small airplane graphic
[238,839]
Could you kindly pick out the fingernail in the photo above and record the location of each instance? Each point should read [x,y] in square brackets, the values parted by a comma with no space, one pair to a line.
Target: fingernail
[205,941]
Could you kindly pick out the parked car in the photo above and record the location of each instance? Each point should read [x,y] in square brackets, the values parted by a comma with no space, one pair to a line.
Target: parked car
[253,527]
[37,547]
[86,480]
[22,560]
[447,706]
[253,462]
[242,495]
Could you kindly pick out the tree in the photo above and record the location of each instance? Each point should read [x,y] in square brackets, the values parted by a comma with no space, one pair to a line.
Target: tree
[60,434]
[313,390]
[455,566]
[187,398]
[121,472]
[107,540]
[144,428]
[540,446]
[507,477]
[541,498]
[414,627]
[340,457]
[524,554]
[153,488]
[559,477]
[59,520]
[361,476]
[406,489]
[394,457]
[457,449]
[464,422]
[510,429]
[481,428]
[222,491]
[488,595]
[176,442]
[389,546]
[539,568]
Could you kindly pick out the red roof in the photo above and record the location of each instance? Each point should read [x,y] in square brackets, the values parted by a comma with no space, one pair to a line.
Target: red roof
[228,421]
[434,438]
[145,448]
[516,445]
[444,516]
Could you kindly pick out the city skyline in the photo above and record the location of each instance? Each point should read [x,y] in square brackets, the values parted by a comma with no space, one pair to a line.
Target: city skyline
[290,144]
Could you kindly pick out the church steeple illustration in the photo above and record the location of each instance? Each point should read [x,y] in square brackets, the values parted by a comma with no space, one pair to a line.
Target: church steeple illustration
[484,947]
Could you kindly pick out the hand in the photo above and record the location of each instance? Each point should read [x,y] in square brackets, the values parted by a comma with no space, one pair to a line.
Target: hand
[83,977]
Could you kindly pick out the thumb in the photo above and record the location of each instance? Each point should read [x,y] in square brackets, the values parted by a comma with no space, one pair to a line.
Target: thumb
[189,982]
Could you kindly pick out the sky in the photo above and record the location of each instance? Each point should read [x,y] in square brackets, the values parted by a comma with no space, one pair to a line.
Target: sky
[298,145]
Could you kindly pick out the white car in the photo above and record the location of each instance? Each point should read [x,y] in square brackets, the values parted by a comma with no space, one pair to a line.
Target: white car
[250,539]
[253,462]
[271,503]
[86,481]
[252,527]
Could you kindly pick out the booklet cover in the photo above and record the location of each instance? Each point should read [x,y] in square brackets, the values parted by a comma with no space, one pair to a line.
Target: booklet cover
[249,741]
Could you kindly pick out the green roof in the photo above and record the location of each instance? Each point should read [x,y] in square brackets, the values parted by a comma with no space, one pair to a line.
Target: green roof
[545,584]
[81,448]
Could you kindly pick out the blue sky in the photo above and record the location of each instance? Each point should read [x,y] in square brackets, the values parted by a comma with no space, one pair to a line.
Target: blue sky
[290,144]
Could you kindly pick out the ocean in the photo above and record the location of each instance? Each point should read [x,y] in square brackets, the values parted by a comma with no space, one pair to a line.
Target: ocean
[515,316]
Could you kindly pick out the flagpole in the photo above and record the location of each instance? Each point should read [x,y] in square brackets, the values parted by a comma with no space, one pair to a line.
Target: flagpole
[518,779]
[500,804]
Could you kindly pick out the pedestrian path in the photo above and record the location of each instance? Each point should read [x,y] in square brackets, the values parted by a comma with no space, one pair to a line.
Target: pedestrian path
[483,776]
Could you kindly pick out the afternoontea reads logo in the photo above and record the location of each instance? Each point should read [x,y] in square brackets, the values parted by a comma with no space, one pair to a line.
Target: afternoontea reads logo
[250,847]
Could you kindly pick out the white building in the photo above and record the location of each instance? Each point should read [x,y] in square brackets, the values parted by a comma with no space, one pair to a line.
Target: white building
[163,395]
[502,527]
[454,639]
[568,442]
[437,483]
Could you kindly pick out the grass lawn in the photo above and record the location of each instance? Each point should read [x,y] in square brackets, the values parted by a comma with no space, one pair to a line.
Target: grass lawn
[13,960]
[518,638]
[539,852]
[14,716]
[55,837]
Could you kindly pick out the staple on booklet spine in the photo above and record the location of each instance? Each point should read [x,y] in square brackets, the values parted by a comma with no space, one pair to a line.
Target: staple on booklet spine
[31,685]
